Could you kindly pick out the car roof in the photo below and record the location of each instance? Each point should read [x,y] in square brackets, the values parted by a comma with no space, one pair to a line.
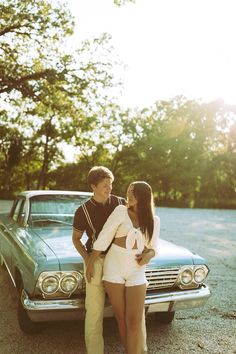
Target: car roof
[32,193]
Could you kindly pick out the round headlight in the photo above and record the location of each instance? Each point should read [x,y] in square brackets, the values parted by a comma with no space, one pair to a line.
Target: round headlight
[186,277]
[199,275]
[68,283]
[50,284]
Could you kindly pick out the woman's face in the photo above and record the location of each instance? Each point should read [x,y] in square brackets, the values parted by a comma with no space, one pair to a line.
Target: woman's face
[132,201]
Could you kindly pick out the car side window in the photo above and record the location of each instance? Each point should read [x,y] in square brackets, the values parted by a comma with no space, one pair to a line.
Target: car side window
[18,208]
[22,212]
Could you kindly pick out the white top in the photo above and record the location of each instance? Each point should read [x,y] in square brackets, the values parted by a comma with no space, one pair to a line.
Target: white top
[118,225]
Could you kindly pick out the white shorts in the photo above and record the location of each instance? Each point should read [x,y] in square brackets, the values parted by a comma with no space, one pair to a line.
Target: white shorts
[121,267]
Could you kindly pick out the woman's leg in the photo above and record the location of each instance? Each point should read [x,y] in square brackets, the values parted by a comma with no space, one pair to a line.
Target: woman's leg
[134,302]
[116,293]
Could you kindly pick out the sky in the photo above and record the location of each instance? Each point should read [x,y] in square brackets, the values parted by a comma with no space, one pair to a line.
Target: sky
[170,47]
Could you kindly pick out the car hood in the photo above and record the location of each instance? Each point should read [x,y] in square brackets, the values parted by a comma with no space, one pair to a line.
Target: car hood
[170,254]
[59,241]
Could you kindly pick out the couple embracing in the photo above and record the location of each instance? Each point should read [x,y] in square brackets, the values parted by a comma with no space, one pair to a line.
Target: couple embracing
[122,238]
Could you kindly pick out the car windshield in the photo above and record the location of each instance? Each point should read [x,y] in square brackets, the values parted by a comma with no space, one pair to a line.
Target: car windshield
[54,209]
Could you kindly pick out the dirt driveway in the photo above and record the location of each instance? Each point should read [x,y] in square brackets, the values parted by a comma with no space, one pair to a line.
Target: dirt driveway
[212,234]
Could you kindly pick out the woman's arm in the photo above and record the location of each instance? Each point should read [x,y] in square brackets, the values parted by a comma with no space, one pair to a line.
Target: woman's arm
[145,256]
[109,229]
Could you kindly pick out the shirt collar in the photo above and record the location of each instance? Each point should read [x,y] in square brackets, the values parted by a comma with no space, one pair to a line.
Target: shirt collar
[94,202]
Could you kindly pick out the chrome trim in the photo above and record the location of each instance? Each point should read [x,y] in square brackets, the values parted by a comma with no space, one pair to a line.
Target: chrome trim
[168,277]
[192,269]
[176,296]
[60,275]
[50,305]
[168,301]
[159,278]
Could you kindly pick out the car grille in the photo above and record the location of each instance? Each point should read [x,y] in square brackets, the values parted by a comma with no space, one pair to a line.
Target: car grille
[160,278]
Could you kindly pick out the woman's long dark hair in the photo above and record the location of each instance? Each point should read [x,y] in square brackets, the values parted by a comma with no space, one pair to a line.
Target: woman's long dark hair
[145,207]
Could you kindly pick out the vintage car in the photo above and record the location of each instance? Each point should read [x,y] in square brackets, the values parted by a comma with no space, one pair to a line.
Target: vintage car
[37,250]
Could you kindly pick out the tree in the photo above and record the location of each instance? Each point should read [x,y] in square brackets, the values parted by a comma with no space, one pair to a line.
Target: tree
[11,151]
[53,93]
[30,34]
[185,149]
[218,182]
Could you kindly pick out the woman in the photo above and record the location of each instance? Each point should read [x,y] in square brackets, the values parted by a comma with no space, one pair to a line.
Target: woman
[133,231]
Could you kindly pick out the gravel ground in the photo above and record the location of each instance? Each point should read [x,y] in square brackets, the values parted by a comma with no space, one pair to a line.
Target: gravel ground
[211,329]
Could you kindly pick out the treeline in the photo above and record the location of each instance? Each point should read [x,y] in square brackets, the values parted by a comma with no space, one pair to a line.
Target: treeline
[186,150]
[51,99]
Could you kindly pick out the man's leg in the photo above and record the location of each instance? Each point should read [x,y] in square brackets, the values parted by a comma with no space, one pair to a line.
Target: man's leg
[94,305]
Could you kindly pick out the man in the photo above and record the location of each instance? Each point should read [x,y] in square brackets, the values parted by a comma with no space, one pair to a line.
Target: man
[90,218]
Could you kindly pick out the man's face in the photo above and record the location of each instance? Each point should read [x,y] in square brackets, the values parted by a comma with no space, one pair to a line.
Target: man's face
[103,189]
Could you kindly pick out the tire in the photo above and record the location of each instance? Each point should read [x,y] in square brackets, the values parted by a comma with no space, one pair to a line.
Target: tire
[165,317]
[25,323]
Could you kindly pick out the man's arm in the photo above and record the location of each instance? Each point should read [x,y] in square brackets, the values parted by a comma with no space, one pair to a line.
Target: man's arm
[76,238]
[89,269]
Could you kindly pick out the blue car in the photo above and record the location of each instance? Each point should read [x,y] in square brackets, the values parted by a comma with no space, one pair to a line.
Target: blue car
[36,249]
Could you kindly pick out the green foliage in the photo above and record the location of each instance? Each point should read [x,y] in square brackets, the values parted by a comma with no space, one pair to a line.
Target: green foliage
[50,95]
[51,98]
[11,152]
[185,149]
[30,34]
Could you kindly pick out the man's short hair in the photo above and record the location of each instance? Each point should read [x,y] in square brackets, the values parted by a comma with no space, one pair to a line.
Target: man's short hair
[98,173]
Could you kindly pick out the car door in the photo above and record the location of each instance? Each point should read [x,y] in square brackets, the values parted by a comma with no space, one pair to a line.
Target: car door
[10,231]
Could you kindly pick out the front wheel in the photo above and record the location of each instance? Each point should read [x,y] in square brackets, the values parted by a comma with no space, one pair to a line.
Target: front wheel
[165,317]
[25,323]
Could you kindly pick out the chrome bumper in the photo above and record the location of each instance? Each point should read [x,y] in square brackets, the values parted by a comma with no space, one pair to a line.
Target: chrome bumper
[177,300]
[53,310]
[46,310]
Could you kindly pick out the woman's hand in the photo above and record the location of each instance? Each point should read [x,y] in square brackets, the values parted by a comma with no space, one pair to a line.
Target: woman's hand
[145,256]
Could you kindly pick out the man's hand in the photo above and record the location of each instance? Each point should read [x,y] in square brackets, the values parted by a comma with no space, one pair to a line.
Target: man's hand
[90,262]
[76,238]
[86,259]
[89,271]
